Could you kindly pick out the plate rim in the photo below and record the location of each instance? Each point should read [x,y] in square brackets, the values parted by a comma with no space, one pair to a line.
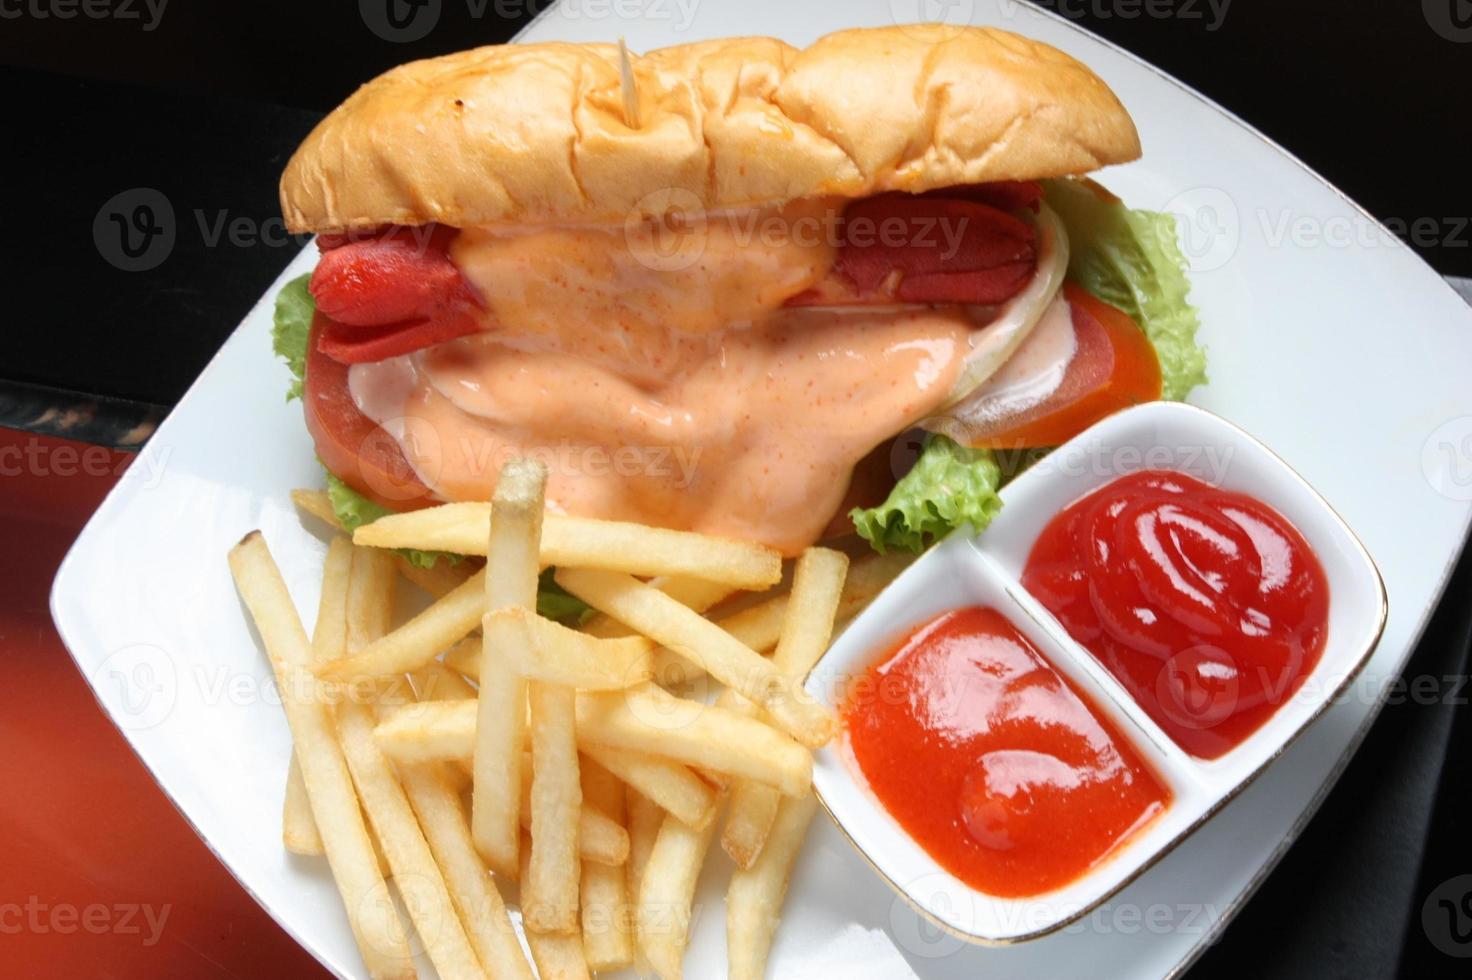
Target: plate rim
[1228,911]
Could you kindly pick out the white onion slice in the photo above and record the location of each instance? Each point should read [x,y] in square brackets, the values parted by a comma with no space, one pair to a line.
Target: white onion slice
[993,344]
[1027,378]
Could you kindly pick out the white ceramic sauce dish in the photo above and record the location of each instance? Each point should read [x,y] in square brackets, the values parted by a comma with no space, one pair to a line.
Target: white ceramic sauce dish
[986,570]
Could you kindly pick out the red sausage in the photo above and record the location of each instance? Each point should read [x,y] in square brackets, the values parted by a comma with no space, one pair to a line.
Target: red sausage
[951,248]
[405,274]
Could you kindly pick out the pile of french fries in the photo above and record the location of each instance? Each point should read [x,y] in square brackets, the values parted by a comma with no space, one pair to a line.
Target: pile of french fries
[432,763]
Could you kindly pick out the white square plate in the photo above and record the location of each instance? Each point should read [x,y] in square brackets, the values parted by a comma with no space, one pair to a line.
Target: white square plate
[987,570]
[1346,359]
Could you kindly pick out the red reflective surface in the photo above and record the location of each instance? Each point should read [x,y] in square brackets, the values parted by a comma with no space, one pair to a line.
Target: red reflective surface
[99,875]
[1207,605]
[991,761]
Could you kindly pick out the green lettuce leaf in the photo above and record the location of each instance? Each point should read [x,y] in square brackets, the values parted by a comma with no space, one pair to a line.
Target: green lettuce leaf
[353,510]
[1132,260]
[289,325]
[950,485]
[555,602]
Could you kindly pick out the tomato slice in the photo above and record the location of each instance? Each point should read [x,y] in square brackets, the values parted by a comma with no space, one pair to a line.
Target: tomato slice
[350,444]
[1114,366]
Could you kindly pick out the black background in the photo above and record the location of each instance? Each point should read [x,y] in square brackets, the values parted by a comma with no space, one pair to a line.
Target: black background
[208,104]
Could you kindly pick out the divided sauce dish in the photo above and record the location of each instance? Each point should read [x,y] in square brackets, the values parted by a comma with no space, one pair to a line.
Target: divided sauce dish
[986,570]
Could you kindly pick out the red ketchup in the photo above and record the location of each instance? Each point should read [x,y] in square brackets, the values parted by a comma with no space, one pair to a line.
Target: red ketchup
[992,762]
[1208,606]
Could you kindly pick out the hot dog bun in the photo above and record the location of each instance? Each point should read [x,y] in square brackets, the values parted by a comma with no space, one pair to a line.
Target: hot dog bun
[536,133]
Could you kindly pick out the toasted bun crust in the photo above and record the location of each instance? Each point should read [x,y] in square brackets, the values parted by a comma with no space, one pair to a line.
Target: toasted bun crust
[536,132]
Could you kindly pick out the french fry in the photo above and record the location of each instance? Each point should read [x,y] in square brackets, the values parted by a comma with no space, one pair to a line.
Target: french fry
[409,856]
[298,829]
[755,895]
[512,540]
[418,641]
[464,657]
[370,602]
[644,820]
[371,593]
[601,839]
[725,658]
[607,940]
[436,682]
[436,803]
[380,936]
[383,868]
[557,805]
[553,654]
[445,732]
[817,588]
[330,633]
[317,504]
[430,731]
[646,719]
[558,956]
[670,785]
[867,577]
[760,626]
[576,659]
[696,593]
[667,891]
[757,626]
[579,542]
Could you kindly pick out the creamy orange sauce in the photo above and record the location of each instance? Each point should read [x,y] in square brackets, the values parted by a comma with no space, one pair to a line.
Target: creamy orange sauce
[672,391]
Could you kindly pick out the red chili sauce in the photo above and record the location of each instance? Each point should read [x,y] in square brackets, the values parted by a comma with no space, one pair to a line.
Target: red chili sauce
[1208,606]
[991,761]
